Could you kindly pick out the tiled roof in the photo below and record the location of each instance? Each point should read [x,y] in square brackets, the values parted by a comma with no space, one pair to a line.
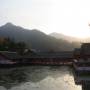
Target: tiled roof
[10,55]
[66,54]
[14,55]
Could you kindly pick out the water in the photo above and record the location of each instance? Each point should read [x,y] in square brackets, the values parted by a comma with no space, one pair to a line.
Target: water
[37,78]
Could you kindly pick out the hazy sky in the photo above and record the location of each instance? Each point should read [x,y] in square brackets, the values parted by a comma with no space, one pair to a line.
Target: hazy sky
[70,17]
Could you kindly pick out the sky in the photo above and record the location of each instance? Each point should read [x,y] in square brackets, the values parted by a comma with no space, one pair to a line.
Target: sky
[69,17]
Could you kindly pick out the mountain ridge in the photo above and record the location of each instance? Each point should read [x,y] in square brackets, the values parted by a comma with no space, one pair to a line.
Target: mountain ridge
[65,37]
[35,39]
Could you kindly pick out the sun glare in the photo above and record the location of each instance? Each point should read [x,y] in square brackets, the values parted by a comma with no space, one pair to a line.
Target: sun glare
[69,17]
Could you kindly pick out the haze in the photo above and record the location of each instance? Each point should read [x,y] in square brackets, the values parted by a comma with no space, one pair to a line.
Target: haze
[70,17]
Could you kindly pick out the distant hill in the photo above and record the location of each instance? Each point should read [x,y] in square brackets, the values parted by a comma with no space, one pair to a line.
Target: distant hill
[65,37]
[35,39]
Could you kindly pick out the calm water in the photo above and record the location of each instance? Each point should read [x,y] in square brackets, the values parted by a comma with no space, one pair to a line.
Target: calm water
[37,78]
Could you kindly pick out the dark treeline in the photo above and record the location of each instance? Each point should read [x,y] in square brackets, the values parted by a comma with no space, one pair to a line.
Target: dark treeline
[6,44]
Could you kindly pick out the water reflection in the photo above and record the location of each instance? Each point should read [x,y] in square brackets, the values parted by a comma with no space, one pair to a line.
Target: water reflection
[11,77]
[37,78]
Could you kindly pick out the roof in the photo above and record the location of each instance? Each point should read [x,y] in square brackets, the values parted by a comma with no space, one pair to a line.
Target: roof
[66,54]
[10,55]
[14,55]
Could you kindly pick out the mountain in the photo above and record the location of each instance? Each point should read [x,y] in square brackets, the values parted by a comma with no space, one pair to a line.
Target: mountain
[65,37]
[35,39]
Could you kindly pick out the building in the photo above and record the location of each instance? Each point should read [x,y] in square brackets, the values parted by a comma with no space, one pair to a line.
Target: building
[8,58]
[49,58]
[39,58]
[82,67]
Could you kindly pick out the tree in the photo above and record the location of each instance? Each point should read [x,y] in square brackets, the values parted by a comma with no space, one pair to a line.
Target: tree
[20,47]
